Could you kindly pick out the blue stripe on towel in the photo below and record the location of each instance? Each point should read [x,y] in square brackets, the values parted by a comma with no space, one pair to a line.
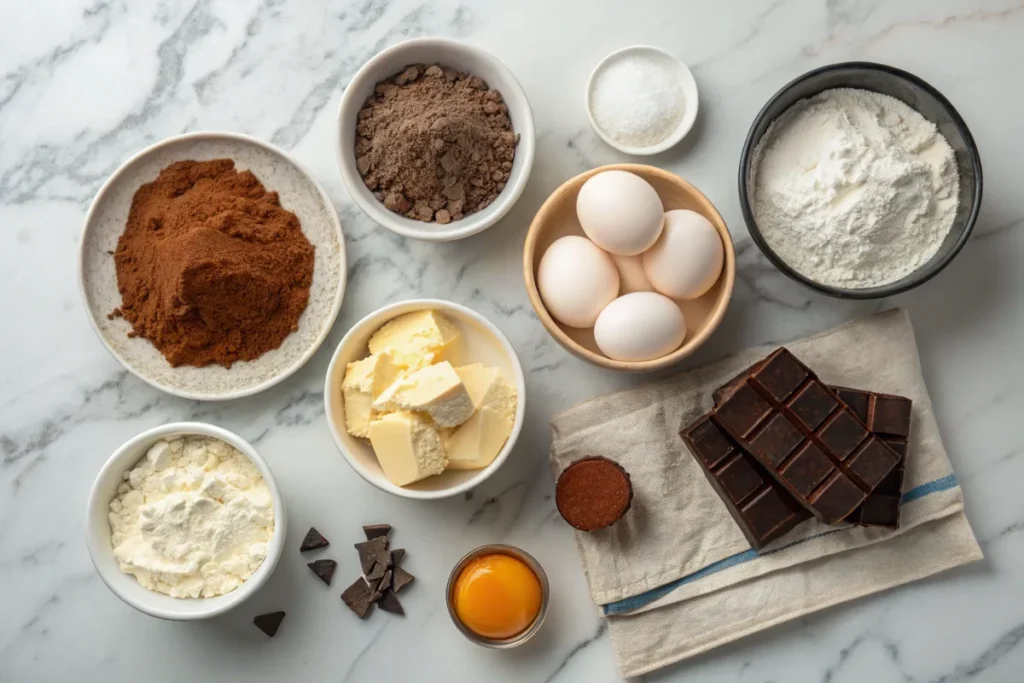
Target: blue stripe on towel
[637,601]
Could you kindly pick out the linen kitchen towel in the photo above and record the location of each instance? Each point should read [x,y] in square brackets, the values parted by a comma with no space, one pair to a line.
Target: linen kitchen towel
[676,577]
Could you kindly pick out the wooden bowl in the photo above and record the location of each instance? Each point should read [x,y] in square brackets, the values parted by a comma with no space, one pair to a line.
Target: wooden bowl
[557,218]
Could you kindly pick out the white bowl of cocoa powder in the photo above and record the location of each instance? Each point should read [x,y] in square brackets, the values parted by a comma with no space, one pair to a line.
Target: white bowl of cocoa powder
[435,139]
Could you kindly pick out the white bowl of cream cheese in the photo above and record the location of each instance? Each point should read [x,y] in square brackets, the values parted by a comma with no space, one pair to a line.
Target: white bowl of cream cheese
[185,521]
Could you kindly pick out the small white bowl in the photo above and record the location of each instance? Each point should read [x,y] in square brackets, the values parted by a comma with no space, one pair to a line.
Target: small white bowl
[460,56]
[125,586]
[682,74]
[484,343]
[300,193]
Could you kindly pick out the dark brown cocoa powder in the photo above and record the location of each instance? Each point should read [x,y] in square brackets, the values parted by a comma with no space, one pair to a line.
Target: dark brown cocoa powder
[435,144]
[210,267]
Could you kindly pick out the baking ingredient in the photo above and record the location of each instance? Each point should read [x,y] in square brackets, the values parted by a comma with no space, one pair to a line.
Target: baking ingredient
[420,413]
[382,575]
[434,144]
[576,280]
[632,277]
[687,259]
[853,188]
[640,326]
[313,540]
[210,268]
[364,382]
[192,518]
[401,579]
[269,623]
[416,339]
[324,569]
[497,596]
[436,390]
[593,493]
[357,597]
[636,101]
[620,212]
[476,443]
[408,447]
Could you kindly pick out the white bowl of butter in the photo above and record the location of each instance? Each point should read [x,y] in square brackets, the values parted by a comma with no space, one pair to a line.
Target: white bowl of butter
[425,398]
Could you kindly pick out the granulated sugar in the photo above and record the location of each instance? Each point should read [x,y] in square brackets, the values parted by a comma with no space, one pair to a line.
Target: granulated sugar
[636,101]
[853,188]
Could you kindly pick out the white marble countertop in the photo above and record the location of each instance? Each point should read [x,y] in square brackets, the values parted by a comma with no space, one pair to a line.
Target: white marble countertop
[86,83]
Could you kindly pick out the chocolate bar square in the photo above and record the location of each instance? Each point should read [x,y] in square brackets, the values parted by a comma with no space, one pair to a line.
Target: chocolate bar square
[739,478]
[843,433]
[743,410]
[806,469]
[812,405]
[776,440]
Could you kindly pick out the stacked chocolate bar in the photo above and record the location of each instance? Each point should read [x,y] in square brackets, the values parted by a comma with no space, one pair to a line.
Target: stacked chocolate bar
[780,446]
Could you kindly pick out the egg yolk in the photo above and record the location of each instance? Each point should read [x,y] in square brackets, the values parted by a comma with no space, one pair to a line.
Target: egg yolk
[497,596]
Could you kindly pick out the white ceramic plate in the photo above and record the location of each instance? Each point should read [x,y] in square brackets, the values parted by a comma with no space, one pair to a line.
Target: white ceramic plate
[482,343]
[674,66]
[299,193]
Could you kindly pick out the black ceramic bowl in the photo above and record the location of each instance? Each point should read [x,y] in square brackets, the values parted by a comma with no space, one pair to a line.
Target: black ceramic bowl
[917,94]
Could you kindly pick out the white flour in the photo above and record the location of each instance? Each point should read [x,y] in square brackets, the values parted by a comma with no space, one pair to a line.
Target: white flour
[192,518]
[853,188]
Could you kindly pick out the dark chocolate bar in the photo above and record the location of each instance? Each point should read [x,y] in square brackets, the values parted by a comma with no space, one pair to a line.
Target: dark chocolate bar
[805,436]
[762,508]
[888,417]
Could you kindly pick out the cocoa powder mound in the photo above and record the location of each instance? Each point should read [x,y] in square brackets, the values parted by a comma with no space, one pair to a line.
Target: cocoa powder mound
[434,144]
[210,267]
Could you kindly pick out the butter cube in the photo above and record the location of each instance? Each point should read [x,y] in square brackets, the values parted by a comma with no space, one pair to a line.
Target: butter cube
[487,387]
[435,390]
[416,340]
[408,447]
[477,442]
[365,380]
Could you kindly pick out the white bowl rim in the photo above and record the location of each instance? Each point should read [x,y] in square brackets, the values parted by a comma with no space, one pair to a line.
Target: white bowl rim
[339,295]
[688,83]
[481,475]
[114,467]
[473,223]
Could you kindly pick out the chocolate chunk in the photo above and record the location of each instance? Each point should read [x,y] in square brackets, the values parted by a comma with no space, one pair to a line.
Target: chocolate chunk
[314,540]
[372,552]
[269,623]
[396,556]
[378,571]
[373,531]
[389,603]
[385,582]
[357,597]
[324,569]
[400,579]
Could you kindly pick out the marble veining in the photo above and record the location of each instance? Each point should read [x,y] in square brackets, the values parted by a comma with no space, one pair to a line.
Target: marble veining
[84,84]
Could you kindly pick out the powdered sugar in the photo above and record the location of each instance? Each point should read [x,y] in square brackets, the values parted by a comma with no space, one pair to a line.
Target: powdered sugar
[854,188]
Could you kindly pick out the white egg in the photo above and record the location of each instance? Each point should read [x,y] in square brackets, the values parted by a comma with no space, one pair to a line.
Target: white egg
[632,277]
[687,259]
[620,212]
[576,280]
[640,326]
